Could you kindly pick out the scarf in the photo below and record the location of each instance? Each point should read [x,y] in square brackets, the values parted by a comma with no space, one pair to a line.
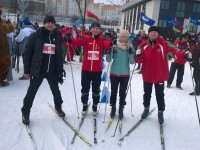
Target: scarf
[124,46]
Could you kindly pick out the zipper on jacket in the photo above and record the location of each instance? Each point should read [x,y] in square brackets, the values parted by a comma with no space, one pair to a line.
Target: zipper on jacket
[50,53]
[91,66]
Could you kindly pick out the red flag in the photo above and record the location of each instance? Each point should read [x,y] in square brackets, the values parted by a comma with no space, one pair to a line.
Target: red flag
[91,16]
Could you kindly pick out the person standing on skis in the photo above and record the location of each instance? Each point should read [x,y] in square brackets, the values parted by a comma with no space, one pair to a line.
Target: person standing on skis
[91,64]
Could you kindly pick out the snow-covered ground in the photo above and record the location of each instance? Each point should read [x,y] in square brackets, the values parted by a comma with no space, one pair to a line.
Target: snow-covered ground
[181,127]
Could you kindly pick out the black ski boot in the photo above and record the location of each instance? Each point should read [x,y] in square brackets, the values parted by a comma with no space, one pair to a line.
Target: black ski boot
[113,110]
[25,119]
[160,117]
[94,108]
[145,113]
[121,115]
[60,112]
[85,107]
[25,116]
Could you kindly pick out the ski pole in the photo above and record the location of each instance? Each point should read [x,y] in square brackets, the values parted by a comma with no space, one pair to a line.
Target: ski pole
[195,93]
[131,101]
[72,78]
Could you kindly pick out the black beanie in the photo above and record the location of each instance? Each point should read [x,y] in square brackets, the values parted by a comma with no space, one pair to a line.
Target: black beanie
[153,28]
[49,19]
[95,24]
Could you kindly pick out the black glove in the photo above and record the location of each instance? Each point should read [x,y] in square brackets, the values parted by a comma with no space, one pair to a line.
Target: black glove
[114,42]
[188,55]
[67,38]
[112,50]
[61,77]
[130,50]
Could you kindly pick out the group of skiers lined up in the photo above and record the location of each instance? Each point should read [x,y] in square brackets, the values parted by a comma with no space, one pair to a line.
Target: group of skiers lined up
[43,58]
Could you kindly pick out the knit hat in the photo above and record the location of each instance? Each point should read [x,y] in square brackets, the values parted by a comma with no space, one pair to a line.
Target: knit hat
[26,22]
[153,28]
[49,19]
[123,33]
[95,24]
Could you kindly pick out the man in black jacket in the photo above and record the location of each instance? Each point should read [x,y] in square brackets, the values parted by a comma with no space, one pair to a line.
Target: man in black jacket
[196,72]
[43,59]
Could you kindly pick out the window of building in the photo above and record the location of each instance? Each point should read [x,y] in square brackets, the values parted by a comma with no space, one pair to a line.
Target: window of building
[162,23]
[179,14]
[165,4]
[181,6]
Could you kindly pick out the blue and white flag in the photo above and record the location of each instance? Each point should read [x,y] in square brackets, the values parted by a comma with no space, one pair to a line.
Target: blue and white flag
[173,22]
[78,22]
[194,20]
[146,19]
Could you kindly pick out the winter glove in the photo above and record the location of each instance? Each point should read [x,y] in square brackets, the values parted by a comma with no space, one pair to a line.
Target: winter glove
[61,77]
[114,42]
[67,38]
[188,55]
[138,52]
[112,50]
[130,50]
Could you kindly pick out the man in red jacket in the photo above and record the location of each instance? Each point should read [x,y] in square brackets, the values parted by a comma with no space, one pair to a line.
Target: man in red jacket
[152,53]
[178,64]
[91,64]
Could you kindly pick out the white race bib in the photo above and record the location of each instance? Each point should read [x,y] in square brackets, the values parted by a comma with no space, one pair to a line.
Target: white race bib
[49,48]
[93,55]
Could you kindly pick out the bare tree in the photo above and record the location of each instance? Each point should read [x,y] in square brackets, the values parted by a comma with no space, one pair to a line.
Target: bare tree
[82,11]
[117,3]
[51,7]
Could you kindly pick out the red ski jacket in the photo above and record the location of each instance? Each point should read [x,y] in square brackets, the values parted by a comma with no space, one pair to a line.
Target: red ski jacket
[154,60]
[92,57]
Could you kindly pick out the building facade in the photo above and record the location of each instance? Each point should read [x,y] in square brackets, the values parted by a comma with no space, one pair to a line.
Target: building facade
[158,10]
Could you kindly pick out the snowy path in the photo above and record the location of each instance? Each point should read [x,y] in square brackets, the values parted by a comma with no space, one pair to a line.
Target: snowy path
[181,127]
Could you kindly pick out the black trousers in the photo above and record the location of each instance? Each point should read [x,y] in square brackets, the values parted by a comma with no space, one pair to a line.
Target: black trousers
[180,72]
[159,90]
[122,83]
[88,78]
[35,83]
[196,75]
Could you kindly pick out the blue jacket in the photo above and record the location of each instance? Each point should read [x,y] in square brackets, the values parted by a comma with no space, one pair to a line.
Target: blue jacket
[121,60]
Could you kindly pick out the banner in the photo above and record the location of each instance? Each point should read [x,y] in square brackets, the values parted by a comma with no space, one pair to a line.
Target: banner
[171,21]
[194,20]
[78,22]
[146,19]
[91,16]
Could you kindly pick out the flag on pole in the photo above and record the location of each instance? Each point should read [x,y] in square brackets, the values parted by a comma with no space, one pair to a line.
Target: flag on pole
[91,16]
[105,95]
[78,22]
[177,28]
[146,20]
[194,21]
[171,21]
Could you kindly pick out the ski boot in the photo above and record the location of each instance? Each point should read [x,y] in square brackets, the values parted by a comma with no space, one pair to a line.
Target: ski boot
[121,115]
[85,107]
[160,117]
[60,112]
[94,108]
[145,113]
[113,110]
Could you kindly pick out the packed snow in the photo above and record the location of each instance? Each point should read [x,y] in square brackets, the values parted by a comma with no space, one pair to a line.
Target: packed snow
[181,126]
